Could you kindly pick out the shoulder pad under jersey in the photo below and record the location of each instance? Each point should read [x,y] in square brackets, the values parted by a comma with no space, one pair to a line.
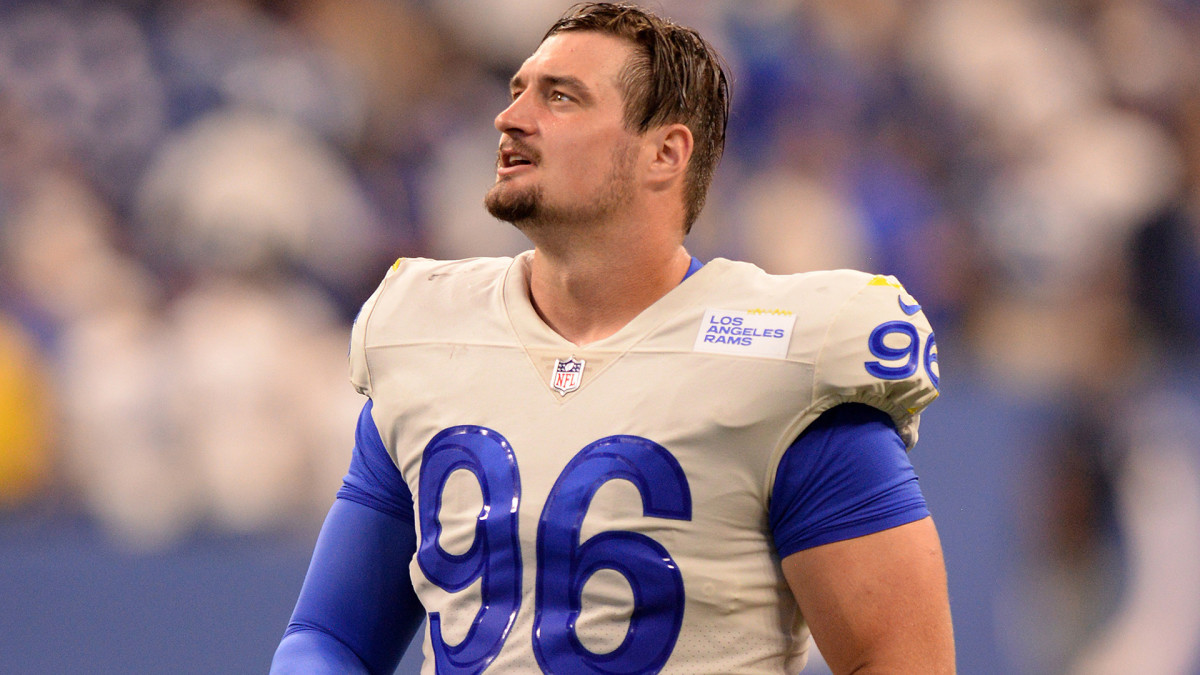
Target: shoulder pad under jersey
[412,294]
[360,375]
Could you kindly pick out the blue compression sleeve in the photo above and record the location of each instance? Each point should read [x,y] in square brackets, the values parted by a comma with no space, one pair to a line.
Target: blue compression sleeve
[846,476]
[357,611]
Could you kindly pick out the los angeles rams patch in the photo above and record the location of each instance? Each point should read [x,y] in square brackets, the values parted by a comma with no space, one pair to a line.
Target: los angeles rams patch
[757,332]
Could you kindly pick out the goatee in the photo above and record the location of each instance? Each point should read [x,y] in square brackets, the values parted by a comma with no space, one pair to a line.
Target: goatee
[512,206]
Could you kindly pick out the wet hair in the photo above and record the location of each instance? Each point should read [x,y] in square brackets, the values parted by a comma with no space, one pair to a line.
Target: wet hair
[674,77]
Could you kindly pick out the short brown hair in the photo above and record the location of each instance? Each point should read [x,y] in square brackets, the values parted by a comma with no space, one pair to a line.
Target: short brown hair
[675,76]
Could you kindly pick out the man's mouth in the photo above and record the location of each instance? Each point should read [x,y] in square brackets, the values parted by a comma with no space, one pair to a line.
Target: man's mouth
[513,158]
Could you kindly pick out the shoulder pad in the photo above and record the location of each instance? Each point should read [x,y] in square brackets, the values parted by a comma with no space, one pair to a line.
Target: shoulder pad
[413,292]
[360,375]
[879,350]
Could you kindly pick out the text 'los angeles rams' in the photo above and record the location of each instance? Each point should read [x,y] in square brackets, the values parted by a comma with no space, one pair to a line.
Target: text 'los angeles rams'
[729,330]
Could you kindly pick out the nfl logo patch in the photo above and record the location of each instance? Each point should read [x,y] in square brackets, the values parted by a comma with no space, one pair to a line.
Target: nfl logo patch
[567,375]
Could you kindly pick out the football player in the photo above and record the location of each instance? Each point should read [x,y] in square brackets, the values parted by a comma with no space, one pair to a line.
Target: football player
[602,456]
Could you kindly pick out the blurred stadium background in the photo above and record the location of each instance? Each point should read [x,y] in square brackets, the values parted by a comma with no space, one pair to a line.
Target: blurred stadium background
[195,196]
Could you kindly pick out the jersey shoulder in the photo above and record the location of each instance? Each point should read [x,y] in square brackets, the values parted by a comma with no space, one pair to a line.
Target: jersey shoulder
[878,348]
[864,336]
[417,299]
[814,297]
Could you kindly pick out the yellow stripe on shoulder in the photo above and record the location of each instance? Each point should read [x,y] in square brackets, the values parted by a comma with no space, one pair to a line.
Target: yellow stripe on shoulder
[881,280]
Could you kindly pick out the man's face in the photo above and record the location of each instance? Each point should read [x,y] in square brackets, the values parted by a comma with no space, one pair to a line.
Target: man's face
[565,154]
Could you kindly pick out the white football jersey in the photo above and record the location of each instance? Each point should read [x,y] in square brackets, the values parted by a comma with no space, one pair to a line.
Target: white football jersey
[605,508]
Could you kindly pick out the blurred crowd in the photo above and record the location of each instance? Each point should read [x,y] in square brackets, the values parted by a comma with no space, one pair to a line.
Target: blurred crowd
[197,195]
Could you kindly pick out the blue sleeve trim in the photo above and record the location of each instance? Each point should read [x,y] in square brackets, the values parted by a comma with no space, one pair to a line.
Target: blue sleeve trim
[373,479]
[846,476]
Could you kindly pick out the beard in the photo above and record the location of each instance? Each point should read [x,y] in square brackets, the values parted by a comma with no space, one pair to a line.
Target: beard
[529,209]
[514,205]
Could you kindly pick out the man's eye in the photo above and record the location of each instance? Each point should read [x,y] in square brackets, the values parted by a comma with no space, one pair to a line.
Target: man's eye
[558,96]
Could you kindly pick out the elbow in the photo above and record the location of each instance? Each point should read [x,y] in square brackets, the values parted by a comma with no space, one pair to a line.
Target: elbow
[310,650]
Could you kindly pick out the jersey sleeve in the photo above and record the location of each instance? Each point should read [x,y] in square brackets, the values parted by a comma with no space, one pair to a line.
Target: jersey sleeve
[373,479]
[879,350]
[847,475]
[357,611]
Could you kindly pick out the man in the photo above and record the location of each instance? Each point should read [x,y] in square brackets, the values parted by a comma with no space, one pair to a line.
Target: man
[604,457]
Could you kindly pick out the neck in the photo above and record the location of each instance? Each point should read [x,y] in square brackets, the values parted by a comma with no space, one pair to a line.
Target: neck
[590,287]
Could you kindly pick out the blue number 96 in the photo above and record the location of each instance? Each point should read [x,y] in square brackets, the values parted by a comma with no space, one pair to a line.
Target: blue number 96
[909,352]
[565,562]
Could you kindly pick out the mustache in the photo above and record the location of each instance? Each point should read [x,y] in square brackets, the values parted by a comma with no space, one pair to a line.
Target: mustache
[518,148]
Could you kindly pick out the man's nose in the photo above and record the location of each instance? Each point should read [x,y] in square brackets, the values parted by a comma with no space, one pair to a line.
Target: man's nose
[517,117]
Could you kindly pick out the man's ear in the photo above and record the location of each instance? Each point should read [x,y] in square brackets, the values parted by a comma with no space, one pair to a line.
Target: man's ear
[672,146]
